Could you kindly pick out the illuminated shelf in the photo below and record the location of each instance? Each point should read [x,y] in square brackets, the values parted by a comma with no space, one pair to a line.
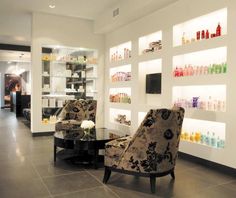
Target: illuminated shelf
[120,84]
[120,74]
[199,144]
[114,115]
[208,97]
[124,106]
[201,45]
[146,42]
[214,116]
[127,61]
[206,22]
[120,52]
[209,79]
[150,56]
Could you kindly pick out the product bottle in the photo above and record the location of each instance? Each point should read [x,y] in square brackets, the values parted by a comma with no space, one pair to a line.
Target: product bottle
[203,34]
[207,140]
[218,142]
[225,67]
[209,104]
[222,143]
[183,38]
[192,137]
[213,140]
[218,30]
[207,34]
[203,139]
[198,34]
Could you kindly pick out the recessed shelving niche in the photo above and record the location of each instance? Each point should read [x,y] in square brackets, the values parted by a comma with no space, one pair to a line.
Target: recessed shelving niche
[120,52]
[205,97]
[211,61]
[201,28]
[121,73]
[120,95]
[120,116]
[203,132]
[150,43]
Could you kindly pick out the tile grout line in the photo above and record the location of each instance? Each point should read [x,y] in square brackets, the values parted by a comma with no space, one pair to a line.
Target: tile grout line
[71,192]
[103,184]
[217,185]
[65,174]
[41,179]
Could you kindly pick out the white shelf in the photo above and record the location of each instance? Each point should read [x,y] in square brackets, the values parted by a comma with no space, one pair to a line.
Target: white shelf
[214,116]
[125,106]
[150,56]
[119,84]
[122,125]
[198,144]
[209,79]
[202,151]
[201,45]
[118,63]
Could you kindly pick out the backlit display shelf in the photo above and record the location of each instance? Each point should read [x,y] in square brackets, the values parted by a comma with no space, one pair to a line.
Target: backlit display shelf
[205,27]
[203,132]
[120,74]
[120,52]
[120,116]
[150,43]
[203,97]
[120,95]
[206,62]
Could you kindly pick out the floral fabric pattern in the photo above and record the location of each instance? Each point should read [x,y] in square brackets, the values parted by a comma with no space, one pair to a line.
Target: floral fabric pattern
[74,112]
[154,146]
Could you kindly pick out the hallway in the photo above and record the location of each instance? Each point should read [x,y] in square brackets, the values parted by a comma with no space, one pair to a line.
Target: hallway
[27,171]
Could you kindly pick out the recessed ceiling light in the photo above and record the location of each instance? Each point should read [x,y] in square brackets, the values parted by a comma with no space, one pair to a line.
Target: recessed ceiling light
[52,6]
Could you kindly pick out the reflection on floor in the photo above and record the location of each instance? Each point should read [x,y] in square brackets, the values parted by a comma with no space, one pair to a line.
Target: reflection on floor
[27,171]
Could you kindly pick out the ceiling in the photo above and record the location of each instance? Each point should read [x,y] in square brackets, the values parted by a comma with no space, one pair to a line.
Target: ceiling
[15,15]
[14,56]
[88,9]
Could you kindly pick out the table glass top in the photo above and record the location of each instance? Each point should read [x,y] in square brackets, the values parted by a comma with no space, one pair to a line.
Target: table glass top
[94,135]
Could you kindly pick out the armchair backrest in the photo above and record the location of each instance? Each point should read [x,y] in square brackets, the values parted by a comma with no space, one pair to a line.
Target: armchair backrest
[79,110]
[154,146]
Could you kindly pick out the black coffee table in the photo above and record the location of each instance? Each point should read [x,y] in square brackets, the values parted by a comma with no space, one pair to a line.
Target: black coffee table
[74,141]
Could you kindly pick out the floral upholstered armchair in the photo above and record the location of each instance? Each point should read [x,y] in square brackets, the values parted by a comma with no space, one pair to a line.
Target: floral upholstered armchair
[74,112]
[152,151]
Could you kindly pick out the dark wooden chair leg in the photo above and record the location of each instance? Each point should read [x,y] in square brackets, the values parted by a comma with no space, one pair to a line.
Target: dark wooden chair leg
[107,175]
[153,183]
[172,174]
[55,154]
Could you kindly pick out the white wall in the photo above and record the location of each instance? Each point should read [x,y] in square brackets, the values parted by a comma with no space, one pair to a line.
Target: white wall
[164,20]
[15,27]
[65,31]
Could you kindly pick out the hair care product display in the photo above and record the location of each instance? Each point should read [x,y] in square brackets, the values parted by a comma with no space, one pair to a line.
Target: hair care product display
[153,46]
[120,55]
[122,119]
[203,137]
[196,70]
[202,35]
[121,76]
[120,98]
[201,103]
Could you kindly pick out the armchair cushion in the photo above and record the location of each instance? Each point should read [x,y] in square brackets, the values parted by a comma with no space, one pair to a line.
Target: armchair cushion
[74,112]
[67,125]
[114,149]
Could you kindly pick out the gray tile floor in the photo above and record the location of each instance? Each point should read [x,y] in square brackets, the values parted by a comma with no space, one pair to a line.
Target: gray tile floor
[27,171]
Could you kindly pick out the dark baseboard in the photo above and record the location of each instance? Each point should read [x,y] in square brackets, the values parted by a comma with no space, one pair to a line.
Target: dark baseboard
[213,165]
[38,134]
